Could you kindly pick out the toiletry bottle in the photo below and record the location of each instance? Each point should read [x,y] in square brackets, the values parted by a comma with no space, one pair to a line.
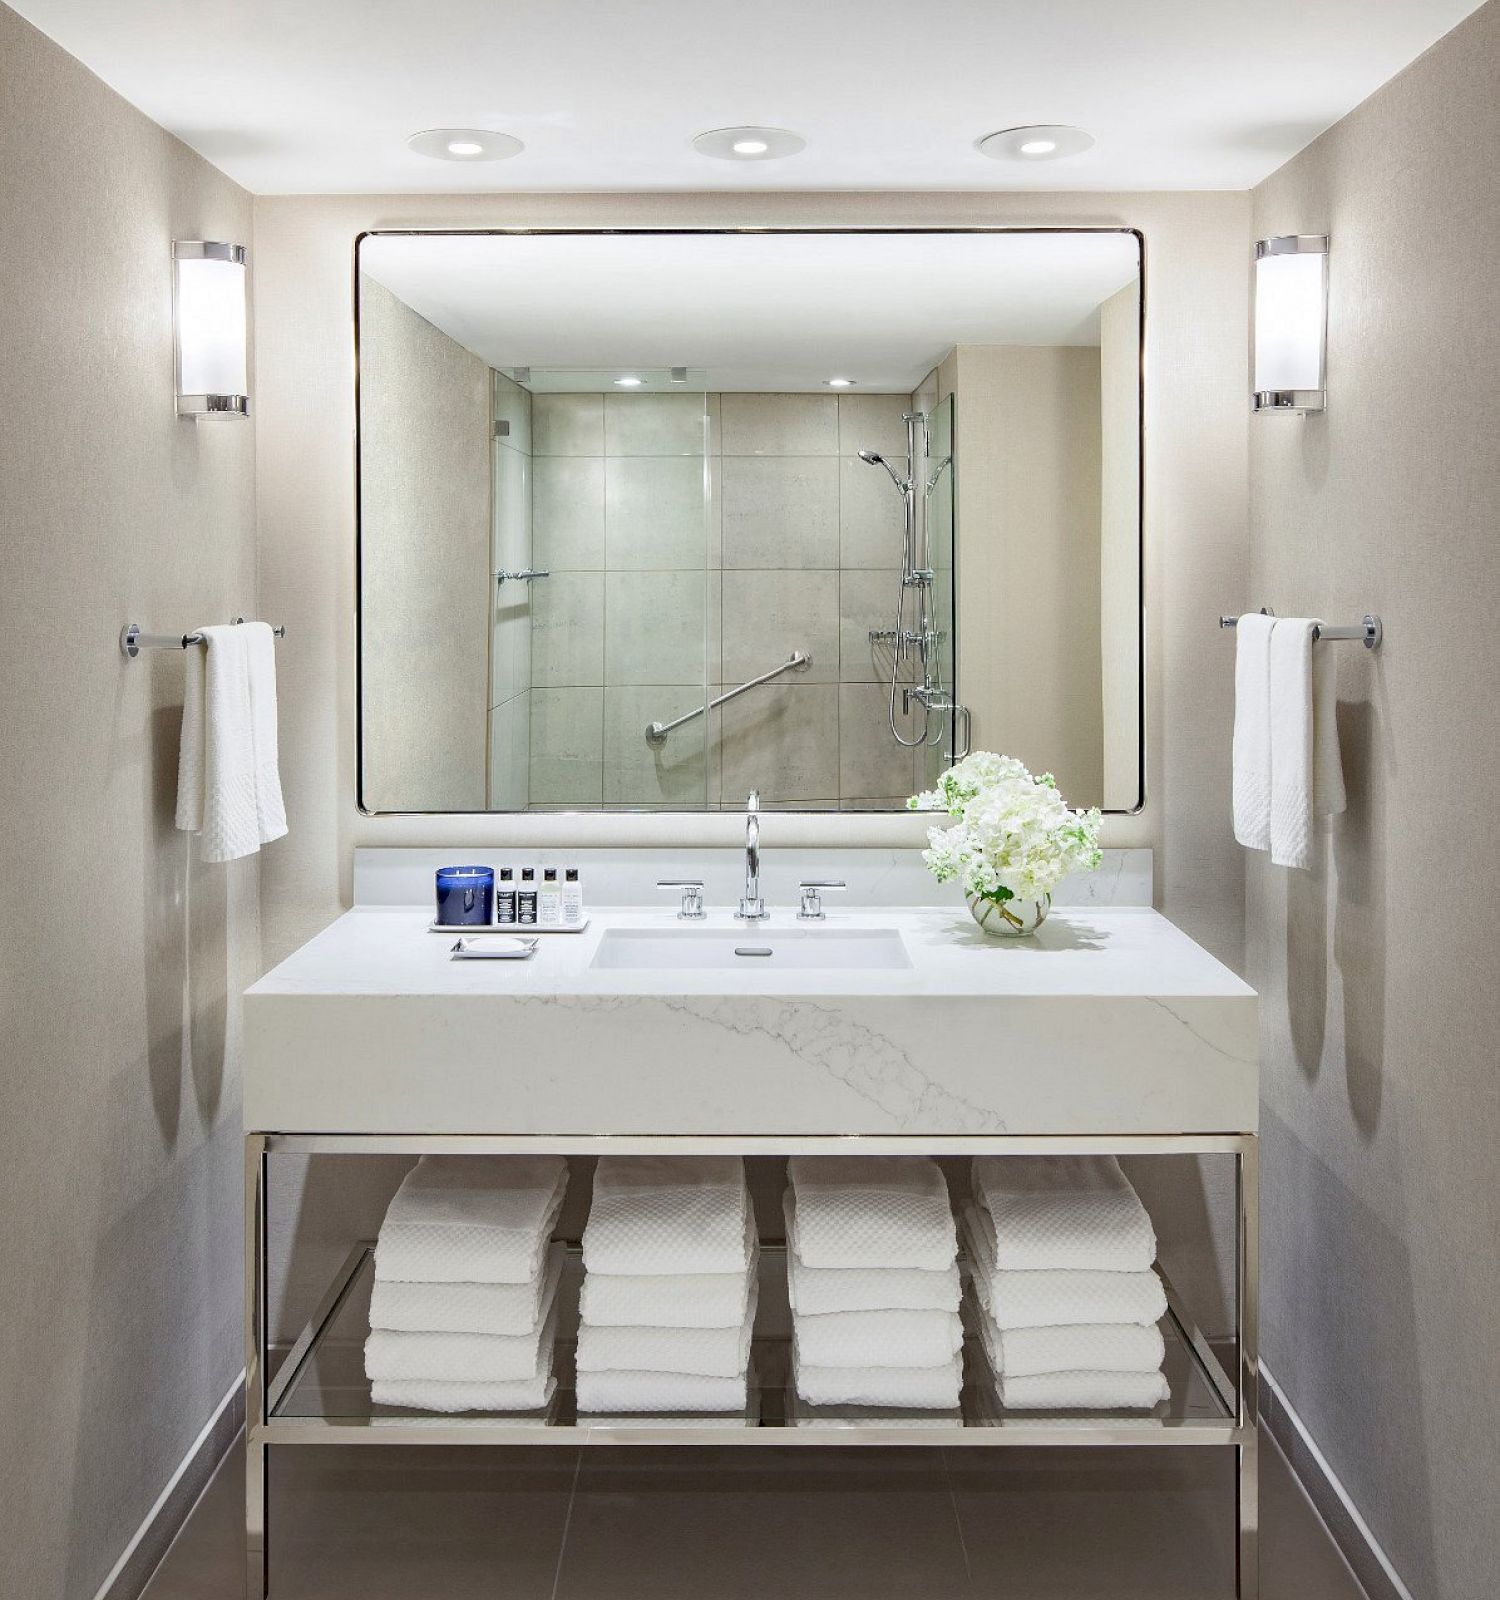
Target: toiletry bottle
[549,902]
[572,897]
[526,898]
[505,899]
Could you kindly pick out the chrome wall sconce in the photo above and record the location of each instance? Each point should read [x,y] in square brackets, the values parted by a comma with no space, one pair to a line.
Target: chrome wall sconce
[1291,323]
[209,307]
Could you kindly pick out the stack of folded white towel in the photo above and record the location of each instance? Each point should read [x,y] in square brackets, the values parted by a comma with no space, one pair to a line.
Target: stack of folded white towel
[669,1291]
[1061,1251]
[873,1279]
[463,1315]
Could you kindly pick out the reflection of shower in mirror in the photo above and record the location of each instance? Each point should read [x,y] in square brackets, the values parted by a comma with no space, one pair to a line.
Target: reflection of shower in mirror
[915,646]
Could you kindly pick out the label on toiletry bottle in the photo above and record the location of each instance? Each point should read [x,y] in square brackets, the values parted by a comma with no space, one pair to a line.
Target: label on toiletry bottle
[505,899]
[572,897]
[526,898]
[549,905]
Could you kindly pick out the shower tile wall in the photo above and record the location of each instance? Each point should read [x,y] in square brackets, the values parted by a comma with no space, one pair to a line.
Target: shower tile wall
[668,577]
[512,644]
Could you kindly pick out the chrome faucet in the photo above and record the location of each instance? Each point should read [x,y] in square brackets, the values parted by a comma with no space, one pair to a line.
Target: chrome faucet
[752,907]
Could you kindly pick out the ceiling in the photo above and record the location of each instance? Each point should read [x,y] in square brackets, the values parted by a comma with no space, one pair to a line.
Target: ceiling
[757,311]
[319,96]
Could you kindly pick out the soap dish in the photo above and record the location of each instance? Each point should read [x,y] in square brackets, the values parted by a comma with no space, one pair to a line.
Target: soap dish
[492,947]
[517,930]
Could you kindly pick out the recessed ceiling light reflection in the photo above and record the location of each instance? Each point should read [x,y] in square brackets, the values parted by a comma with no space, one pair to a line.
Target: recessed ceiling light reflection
[629,381]
[839,383]
[1052,142]
[464,144]
[749,144]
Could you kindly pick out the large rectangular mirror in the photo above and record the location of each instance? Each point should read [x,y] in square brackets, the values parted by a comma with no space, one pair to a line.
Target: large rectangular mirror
[651,519]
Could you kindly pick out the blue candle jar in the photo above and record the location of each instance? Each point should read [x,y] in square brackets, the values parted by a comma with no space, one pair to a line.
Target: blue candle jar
[465,896]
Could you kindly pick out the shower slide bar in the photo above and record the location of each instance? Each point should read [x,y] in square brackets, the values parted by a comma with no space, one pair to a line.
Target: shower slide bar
[656,732]
[1368,630]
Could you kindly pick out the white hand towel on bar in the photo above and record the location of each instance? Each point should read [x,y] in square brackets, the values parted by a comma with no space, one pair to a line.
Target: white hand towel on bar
[526,1393]
[632,1392]
[472,1219]
[1063,1211]
[880,1338]
[705,1352]
[1307,779]
[228,782]
[676,1300]
[1083,1391]
[461,1357]
[1050,1298]
[504,1309]
[821,1291]
[1080,1347]
[906,1388]
[872,1211]
[1252,731]
[667,1215]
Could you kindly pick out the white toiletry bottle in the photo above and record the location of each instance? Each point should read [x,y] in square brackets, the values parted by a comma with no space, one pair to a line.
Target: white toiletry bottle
[549,902]
[572,896]
[526,898]
[505,898]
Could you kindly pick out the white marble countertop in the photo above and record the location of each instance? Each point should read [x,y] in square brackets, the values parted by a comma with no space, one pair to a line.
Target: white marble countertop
[1110,1020]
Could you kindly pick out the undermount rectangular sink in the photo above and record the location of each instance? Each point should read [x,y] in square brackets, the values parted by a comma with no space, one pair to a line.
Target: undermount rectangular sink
[720,949]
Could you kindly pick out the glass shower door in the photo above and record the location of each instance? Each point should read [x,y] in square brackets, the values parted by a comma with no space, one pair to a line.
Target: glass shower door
[947,730]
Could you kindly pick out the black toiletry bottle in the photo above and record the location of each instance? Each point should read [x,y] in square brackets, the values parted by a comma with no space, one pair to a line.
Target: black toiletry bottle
[526,898]
[505,898]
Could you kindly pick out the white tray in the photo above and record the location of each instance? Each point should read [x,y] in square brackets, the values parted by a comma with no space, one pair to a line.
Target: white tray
[490,947]
[516,930]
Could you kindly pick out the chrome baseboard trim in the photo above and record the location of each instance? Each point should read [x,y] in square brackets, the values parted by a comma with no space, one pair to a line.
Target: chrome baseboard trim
[1348,1529]
[162,1523]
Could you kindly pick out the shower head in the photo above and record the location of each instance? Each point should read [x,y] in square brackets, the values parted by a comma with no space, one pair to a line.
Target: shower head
[875,459]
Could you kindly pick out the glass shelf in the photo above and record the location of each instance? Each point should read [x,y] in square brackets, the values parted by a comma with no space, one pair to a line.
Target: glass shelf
[320,1393]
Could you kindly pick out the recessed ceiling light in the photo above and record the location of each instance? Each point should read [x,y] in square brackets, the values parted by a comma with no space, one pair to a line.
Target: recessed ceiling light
[1036,143]
[839,383]
[629,382]
[464,144]
[748,144]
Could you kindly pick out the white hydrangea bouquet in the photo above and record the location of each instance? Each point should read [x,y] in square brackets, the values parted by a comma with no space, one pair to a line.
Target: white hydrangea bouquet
[1013,843]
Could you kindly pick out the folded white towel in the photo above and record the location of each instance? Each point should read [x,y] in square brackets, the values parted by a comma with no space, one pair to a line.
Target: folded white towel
[632,1392]
[1078,1347]
[667,1215]
[872,1211]
[1052,1212]
[821,1291]
[1083,1391]
[228,782]
[1252,731]
[434,1394]
[880,1338]
[493,1308]
[906,1388]
[679,1300]
[1307,780]
[462,1357]
[1052,1298]
[707,1352]
[472,1219]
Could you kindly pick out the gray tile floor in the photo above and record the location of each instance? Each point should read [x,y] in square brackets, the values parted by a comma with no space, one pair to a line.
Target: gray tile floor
[827,1524]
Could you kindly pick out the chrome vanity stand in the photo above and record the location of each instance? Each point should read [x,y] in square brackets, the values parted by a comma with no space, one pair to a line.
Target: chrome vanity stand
[1223,1415]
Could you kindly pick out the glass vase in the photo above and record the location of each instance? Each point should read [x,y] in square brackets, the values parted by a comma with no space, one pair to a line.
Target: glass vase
[1009,919]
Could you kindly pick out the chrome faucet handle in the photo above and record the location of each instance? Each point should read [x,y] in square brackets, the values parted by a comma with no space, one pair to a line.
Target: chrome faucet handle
[690,908]
[812,891]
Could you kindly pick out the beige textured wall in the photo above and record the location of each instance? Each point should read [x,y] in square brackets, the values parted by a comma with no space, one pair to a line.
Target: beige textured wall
[1381,1245]
[1195,489]
[1027,453]
[1195,512]
[1119,543]
[425,440]
[120,1165]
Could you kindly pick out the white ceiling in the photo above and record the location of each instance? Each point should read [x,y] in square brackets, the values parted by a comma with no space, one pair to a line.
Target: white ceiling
[314,96]
[753,311]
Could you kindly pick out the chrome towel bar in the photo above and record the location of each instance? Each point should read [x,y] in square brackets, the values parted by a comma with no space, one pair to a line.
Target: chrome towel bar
[133,641]
[656,732]
[1368,630]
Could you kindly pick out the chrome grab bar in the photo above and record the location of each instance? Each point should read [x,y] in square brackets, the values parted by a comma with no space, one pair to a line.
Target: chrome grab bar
[656,732]
[525,575]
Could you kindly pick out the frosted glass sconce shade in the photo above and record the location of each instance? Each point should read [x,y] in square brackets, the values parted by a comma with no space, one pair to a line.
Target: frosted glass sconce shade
[1291,322]
[211,329]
